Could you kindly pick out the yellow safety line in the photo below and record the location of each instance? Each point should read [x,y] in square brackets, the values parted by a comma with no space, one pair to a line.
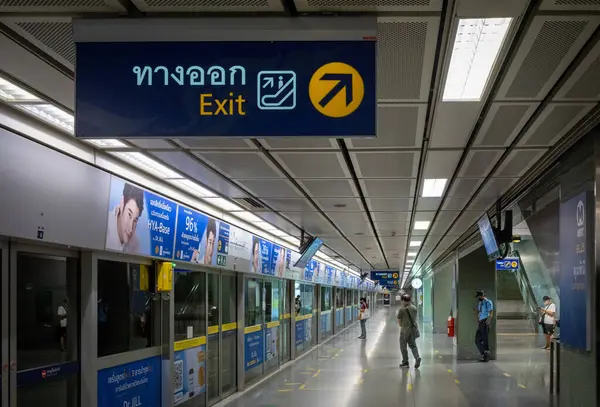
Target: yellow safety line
[457,382]
[285,390]
[522,386]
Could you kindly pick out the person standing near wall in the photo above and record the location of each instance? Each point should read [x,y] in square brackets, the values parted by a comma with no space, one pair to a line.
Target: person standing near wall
[548,320]
[409,331]
[484,312]
[363,316]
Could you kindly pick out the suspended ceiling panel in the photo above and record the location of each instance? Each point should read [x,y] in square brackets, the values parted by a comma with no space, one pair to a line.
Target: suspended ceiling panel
[385,164]
[554,122]
[61,6]
[299,143]
[503,123]
[398,126]
[571,5]
[247,165]
[312,164]
[518,162]
[405,55]
[368,5]
[215,144]
[199,6]
[584,83]
[453,123]
[52,35]
[479,163]
[548,48]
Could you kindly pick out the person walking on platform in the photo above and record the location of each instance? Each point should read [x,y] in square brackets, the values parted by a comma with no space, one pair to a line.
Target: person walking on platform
[485,312]
[409,331]
[363,316]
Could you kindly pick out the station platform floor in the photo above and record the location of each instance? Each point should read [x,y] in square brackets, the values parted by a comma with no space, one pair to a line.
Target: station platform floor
[348,372]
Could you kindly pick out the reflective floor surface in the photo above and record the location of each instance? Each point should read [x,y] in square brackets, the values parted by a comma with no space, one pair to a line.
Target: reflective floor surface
[348,372]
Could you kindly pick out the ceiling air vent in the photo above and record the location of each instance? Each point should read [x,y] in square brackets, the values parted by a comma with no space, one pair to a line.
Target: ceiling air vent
[250,204]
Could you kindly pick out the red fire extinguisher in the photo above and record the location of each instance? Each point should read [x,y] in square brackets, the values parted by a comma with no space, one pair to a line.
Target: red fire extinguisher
[451,326]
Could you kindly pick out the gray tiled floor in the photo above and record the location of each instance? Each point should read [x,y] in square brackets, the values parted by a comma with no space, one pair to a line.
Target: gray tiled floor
[347,372]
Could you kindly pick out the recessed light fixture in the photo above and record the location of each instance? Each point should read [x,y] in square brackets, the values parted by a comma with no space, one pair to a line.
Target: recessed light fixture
[476,46]
[415,243]
[434,187]
[411,254]
[422,225]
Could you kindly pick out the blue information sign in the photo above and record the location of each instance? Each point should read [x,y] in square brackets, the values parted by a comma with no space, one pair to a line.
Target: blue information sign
[253,349]
[300,332]
[191,225]
[575,225]
[130,385]
[309,270]
[386,278]
[509,263]
[329,272]
[225,89]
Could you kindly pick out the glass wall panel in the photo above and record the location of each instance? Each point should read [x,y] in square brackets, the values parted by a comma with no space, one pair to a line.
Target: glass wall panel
[213,353]
[190,304]
[125,308]
[285,321]
[326,312]
[348,306]
[254,336]
[315,314]
[271,329]
[229,333]
[339,309]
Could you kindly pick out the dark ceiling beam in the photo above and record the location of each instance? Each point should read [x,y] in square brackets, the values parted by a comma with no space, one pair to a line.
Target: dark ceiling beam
[361,195]
[442,44]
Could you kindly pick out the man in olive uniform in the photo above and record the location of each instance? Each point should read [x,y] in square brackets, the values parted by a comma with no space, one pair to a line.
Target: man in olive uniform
[409,331]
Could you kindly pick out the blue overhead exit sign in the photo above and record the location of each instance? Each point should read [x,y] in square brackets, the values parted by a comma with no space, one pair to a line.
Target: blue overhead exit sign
[386,278]
[247,89]
[509,263]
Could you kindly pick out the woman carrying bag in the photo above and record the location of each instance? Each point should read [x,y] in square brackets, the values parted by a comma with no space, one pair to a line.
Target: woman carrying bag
[363,316]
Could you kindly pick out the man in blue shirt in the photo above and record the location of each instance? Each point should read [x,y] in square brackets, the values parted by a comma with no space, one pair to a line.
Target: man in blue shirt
[485,312]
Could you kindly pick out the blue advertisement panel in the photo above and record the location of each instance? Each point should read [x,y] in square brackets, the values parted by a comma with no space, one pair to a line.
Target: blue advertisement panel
[253,89]
[329,275]
[262,251]
[300,332]
[576,222]
[253,349]
[386,278]
[132,384]
[509,263]
[189,373]
[278,260]
[139,222]
[310,270]
[199,238]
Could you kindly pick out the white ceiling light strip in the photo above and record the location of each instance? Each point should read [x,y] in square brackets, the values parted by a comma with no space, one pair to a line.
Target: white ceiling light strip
[434,187]
[11,93]
[476,47]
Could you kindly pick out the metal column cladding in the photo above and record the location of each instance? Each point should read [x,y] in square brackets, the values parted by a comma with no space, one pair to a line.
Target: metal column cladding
[249,78]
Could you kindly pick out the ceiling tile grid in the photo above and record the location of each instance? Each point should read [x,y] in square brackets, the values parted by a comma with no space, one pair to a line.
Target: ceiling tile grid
[368,5]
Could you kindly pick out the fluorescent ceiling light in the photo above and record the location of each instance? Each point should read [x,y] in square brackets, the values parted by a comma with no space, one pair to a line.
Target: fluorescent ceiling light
[10,92]
[265,226]
[247,216]
[51,114]
[192,188]
[476,46]
[147,164]
[422,225]
[107,143]
[434,187]
[223,204]
[415,243]
[411,254]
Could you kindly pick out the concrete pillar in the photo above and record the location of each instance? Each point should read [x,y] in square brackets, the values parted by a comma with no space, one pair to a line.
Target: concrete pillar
[475,272]
[427,305]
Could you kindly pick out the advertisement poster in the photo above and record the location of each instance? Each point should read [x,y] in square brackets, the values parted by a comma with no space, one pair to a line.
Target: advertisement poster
[253,349]
[278,259]
[223,244]
[292,272]
[133,384]
[261,256]
[309,271]
[139,222]
[337,278]
[343,280]
[308,330]
[189,373]
[321,276]
[300,332]
[575,250]
[240,243]
[271,345]
[329,275]
[275,295]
